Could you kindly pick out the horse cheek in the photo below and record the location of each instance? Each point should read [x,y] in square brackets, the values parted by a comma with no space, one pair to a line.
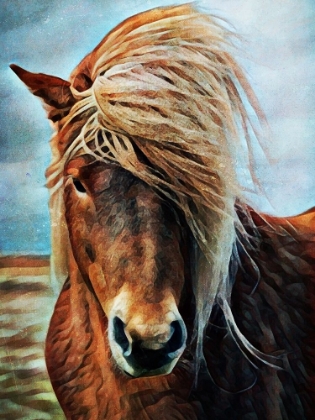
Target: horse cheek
[79,218]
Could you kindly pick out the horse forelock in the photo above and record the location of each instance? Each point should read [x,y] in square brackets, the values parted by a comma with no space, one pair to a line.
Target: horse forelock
[164,85]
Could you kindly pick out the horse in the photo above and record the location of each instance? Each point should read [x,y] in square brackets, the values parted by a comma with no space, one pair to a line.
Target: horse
[178,299]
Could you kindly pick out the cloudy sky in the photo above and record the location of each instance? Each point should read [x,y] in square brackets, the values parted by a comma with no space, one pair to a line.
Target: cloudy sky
[53,36]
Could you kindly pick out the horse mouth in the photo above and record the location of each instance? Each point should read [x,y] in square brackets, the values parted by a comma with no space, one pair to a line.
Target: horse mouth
[128,374]
[144,363]
[134,373]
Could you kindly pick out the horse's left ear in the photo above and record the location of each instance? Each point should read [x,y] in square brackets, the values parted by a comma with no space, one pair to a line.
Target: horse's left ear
[54,92]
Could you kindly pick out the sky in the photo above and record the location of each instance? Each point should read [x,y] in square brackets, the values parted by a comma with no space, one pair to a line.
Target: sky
[278,54]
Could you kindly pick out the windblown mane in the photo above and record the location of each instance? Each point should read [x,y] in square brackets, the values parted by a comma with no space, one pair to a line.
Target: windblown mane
[163,97]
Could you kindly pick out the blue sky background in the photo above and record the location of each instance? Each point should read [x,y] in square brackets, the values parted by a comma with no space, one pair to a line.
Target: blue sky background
[53,36]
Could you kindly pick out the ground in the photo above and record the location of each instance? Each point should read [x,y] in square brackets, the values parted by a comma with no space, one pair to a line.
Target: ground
[26,304]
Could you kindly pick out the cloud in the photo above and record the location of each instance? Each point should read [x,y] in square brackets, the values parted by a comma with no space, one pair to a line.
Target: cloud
[52,37]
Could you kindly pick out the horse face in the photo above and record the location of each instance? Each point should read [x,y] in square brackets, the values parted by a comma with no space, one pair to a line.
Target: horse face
[129,246]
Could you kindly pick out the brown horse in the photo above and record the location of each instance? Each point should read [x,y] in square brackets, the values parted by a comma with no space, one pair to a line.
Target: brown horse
[178,302]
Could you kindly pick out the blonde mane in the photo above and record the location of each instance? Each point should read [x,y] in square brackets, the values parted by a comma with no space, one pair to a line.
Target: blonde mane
[164,85]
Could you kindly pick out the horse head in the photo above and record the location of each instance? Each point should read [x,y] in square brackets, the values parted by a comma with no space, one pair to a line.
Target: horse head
[129,246]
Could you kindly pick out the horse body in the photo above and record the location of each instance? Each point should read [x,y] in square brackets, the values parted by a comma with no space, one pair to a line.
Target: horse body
[274,307]
[179,301]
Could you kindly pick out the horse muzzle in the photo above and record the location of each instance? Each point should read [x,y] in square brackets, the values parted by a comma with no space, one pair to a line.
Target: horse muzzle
[147,349]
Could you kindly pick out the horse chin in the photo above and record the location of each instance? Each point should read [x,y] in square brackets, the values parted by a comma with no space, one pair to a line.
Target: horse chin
[141,373]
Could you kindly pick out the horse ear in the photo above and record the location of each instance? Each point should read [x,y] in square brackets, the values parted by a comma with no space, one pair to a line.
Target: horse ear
[54,92]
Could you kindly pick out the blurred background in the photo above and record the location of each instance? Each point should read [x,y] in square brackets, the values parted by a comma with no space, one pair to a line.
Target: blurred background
[53,36]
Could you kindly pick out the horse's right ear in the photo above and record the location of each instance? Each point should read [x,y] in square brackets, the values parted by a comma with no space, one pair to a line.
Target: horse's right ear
[54,92]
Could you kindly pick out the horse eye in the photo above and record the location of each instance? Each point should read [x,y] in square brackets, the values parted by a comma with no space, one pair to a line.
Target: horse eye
[78,185]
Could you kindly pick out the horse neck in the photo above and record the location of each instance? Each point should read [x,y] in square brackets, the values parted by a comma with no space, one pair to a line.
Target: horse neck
[283,292]
[275,311]
[75,348]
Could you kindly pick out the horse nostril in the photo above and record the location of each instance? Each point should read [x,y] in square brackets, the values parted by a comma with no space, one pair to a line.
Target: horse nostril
[146,352]
[177,339]
[141,357]
[120,335]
